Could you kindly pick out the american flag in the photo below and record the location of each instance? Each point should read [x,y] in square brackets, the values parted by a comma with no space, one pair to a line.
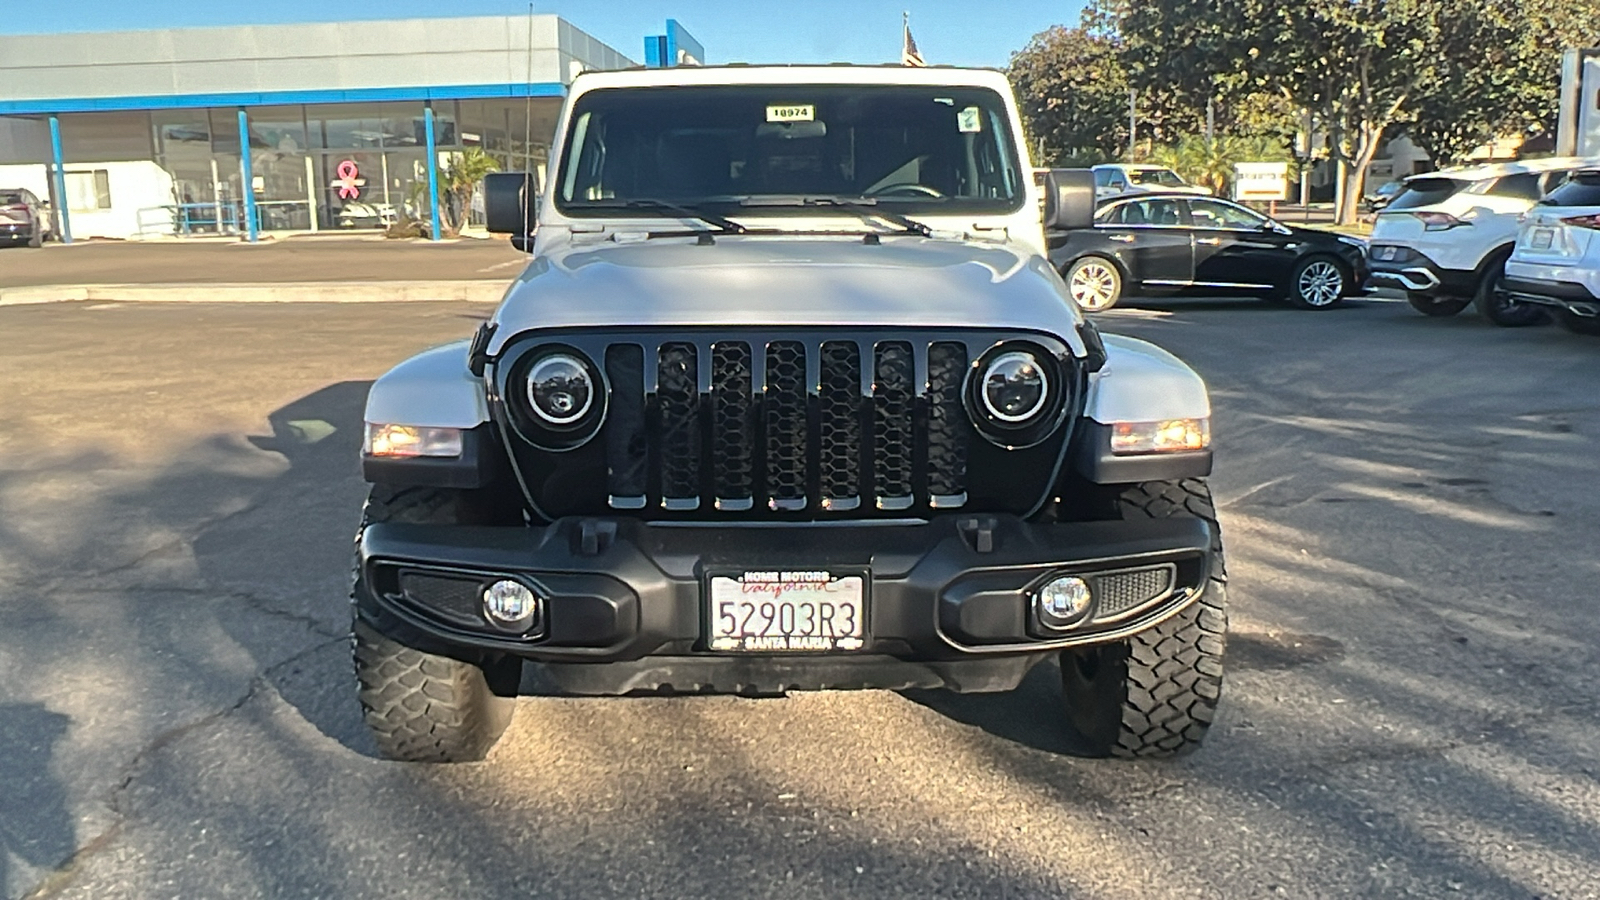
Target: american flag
[909,54]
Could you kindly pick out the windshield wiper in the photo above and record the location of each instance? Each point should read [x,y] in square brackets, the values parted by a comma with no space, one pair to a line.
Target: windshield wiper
[865,207]
[722,225]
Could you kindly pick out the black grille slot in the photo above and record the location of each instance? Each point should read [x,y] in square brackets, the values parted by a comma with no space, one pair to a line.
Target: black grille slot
[678,396]
[947,425]
[839,402]
[785,400]
[893,393]
[626,450]
[453,599]
[732,431]
[1119,592]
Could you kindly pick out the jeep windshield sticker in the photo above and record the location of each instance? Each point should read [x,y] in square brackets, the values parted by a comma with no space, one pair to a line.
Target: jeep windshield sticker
[970,120]
[792,113]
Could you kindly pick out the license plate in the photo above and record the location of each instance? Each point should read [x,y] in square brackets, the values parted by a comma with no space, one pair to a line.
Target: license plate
[1385,253]
[787,611]
[1542,238]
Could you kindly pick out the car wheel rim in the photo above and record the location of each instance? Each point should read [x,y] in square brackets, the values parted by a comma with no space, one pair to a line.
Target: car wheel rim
[1321,284]
[1093,286]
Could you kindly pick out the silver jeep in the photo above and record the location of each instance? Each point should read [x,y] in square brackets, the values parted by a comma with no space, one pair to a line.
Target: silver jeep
[788,398]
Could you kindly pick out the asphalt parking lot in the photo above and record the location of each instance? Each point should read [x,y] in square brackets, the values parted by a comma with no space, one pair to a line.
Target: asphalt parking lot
[1410,508]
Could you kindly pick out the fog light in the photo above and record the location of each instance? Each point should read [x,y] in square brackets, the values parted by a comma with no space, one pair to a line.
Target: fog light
[510,604]
[1063,601]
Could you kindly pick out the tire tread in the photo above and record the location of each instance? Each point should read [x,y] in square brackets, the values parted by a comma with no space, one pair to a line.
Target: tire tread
[419,706]
[1172,672]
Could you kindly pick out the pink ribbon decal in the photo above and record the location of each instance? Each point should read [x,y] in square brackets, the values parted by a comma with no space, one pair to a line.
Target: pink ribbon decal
[348,183]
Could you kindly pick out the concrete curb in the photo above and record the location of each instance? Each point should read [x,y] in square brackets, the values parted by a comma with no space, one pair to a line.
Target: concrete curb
[256,292]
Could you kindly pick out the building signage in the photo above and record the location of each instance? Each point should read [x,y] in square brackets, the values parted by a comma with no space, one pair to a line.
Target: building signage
[1267,181]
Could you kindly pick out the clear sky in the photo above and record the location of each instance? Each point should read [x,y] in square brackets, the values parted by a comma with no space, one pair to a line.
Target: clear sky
[973,33]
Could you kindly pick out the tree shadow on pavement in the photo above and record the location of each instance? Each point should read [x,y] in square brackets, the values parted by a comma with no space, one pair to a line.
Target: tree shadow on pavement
[36,829]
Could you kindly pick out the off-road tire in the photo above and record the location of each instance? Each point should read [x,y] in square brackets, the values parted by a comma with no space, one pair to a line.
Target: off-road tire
[1500,309]
[1579,324]
[1437,307]
[1155,694]
[420,706]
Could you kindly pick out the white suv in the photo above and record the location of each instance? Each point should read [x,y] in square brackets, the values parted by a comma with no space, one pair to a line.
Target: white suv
[1557,259]
[1446,238]
[1113,179]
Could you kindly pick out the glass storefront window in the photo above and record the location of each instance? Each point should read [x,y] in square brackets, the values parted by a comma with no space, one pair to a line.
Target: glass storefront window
[367,126]
[278,128]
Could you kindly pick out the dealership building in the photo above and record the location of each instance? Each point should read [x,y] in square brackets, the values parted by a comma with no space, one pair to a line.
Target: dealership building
[283,128]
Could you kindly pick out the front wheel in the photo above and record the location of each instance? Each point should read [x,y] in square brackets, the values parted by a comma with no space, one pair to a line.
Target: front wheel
[1437,307]
[1497,306]
[421,706]
[1318,283]
[1155,694]
[1094,283]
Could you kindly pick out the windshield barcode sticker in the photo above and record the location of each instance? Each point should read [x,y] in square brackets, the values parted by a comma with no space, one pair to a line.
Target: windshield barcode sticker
[797,113]
[970,120]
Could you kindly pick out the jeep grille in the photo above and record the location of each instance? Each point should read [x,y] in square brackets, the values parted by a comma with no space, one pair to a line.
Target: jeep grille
[821,424]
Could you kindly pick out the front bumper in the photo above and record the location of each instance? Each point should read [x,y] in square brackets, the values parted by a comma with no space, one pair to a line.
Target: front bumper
[949,601]
[1573,297]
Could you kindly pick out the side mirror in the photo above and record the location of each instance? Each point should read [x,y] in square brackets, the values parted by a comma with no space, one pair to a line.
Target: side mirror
[1069,199]
[510,203]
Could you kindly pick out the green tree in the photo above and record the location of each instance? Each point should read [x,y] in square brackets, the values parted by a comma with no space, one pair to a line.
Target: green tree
[1510,85]
[1074,95]
[458,178]
[1187,56]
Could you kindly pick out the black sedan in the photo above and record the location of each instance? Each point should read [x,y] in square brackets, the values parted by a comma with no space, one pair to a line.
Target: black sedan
[1173,243]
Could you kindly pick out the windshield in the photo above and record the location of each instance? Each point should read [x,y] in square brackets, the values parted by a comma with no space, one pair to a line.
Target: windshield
[911,149]
[1163,177]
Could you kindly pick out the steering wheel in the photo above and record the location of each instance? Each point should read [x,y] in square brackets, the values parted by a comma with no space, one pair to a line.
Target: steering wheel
[906,188]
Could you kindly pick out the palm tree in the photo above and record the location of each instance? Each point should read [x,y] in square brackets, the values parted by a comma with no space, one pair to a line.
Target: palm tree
[459,177]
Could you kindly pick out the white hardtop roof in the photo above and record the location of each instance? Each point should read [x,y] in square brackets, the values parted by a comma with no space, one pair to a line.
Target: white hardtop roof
[1141,166]
[1499,170]
[684,76]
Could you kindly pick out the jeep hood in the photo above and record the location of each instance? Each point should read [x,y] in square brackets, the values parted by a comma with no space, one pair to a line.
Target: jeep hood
[788,281]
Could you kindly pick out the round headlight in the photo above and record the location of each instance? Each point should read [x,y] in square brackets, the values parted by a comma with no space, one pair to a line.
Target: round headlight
[560,389]
[1015,387]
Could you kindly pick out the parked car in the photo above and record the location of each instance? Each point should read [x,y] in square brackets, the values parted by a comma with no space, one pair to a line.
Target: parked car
[801,425]
[367,215]
[1445,240]
[1166,243]
[1113,179]
[1556,263]
[22,217]
[1382,195]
